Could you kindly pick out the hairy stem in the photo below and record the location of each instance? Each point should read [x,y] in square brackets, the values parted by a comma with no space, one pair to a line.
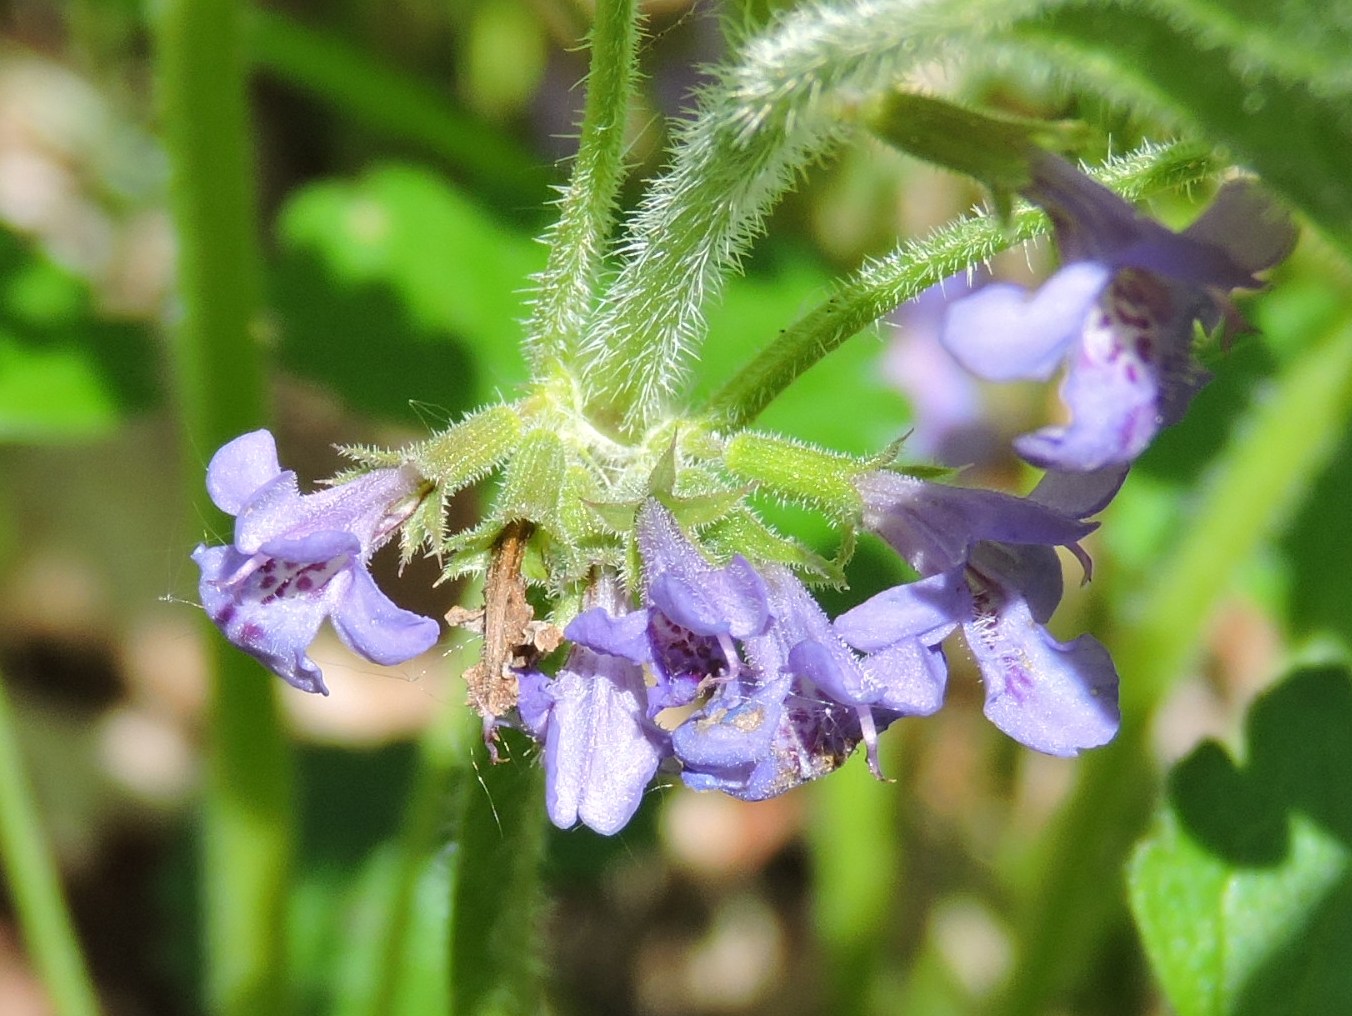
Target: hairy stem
[566,287]
[760,123]
[881,286]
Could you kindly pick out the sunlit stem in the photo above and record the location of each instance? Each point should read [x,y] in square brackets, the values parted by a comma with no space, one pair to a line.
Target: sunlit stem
[566,288]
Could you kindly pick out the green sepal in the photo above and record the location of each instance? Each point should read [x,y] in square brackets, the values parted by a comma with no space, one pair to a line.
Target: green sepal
[425,527]
[591,540]
[741,532]
[892,458]
[534,483]
[993,148]
[798,472]
[616,516]
[470,450]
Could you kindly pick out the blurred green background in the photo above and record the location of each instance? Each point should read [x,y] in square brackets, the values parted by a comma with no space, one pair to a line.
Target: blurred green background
[405,154]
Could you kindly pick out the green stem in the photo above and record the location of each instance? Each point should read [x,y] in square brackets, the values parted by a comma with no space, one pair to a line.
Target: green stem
[855,834]
[881,286]
[1075,884]
[386,100]
[495,885]
[33,881]
[566,287]
[247,816]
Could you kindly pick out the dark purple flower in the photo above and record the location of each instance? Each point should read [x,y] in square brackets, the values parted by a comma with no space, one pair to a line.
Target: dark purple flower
[802,702]
[600,748]
[299,558]
[1120,312]
[989,565]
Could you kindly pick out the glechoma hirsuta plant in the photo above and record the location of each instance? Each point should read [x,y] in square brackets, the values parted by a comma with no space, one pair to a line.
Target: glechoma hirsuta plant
[681,633]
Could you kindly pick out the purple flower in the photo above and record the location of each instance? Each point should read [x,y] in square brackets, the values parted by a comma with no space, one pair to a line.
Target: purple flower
[1119,313]
[989,566]
[299,558]
[787,701]
[600,747]
[693,616]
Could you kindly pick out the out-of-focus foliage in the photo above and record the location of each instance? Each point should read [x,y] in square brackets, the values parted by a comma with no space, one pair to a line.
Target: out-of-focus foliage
[400,293]
[1243,891]
[66,372]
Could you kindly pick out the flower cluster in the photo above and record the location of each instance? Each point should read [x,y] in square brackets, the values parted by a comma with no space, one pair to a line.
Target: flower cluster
[769,693]
[724,670]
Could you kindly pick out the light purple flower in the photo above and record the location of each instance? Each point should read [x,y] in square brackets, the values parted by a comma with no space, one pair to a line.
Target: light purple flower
[988,565]
[693,616]
[1120,313]
[299,558]
[600,747]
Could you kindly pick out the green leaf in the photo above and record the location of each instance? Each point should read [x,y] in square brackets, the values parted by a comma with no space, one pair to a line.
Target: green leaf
[65,373]
[398,291]
[1243,891]
[1191,60]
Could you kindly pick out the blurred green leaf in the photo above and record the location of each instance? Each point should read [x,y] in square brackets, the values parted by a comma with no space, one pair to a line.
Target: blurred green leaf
[65,372]
[843,402]
[397,290]
[361,87]
[1280,104]
[1243,892]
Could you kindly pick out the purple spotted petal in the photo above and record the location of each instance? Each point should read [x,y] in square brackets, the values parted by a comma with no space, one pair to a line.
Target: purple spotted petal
[371,625]
[1004,333]
[275,632]
[240,468]
[1058,698]
[297,559]
[600,752]
[933,526]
